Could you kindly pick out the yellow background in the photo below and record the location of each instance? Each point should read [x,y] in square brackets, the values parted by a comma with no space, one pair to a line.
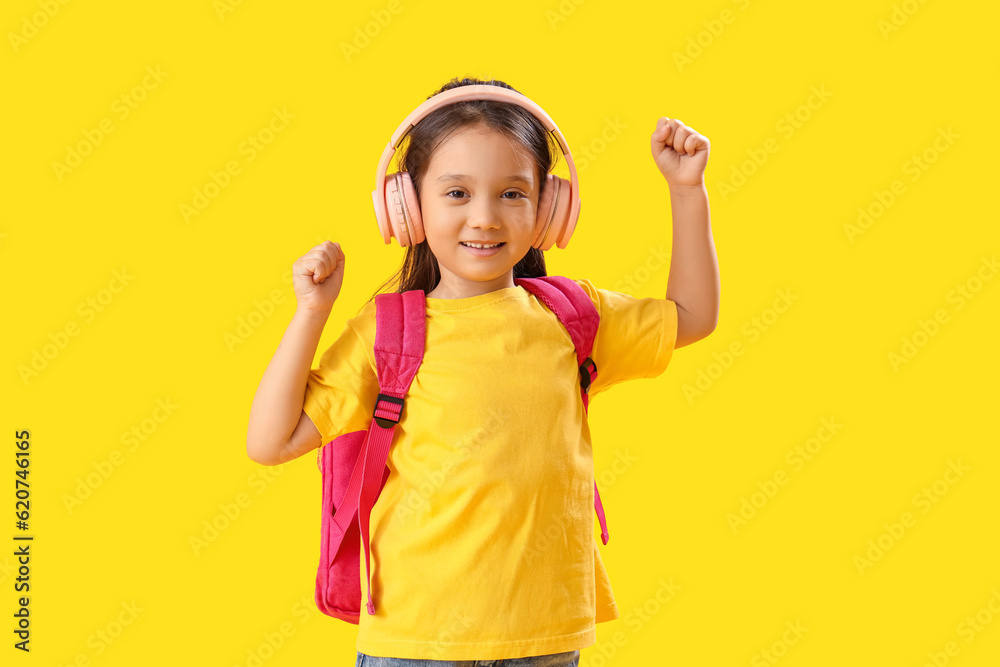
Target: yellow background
[163,334]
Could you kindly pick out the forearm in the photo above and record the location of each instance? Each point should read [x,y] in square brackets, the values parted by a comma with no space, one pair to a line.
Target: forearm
[277,405]
[693,283]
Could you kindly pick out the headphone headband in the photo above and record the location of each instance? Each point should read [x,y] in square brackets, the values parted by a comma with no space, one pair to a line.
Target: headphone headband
[477,92]
[461,94]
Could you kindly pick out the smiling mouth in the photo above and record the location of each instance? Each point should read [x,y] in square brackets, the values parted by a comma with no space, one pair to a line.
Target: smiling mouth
[482,246]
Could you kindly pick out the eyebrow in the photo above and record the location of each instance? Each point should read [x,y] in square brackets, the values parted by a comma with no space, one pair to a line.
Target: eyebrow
[459,177]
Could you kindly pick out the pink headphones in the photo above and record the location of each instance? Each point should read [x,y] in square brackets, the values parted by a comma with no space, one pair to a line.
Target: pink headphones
[395,198]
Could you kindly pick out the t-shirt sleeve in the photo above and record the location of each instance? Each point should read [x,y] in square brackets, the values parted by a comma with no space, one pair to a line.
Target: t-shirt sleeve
[635,338]
[341,390]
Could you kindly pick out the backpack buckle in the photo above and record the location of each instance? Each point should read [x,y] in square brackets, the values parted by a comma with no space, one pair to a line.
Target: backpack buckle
[387,422]
[587,374]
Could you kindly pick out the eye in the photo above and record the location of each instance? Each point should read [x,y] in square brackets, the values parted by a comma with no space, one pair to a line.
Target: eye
[517,195]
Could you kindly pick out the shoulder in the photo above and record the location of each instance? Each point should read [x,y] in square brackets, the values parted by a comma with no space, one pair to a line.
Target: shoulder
[364,317]
[599,297]
[592,291]
[631,311]
[364,325]
[588,288]
[606,299]
[361,328]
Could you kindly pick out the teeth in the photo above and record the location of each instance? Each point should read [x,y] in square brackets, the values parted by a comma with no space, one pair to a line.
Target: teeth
[475,245]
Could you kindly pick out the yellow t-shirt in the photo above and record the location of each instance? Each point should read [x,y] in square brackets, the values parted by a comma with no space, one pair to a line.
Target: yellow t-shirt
[483,539]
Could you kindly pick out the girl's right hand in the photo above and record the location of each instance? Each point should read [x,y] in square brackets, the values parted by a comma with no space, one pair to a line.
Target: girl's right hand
[317,277]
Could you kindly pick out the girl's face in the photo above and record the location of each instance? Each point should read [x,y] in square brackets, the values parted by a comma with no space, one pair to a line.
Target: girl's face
[479,187]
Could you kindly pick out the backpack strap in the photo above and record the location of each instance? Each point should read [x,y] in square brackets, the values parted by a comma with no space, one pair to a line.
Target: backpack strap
[400,321]
[576,312]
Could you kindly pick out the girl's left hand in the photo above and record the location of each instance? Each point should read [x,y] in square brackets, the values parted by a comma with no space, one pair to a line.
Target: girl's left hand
[680,153]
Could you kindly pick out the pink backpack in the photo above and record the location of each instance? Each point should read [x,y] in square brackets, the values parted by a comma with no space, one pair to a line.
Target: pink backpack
[353,466]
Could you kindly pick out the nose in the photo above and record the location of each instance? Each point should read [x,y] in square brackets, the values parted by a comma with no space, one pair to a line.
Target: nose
[481,214]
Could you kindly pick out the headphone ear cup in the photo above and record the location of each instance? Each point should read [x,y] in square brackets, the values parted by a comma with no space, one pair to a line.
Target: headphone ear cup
[552,219]
[404,209]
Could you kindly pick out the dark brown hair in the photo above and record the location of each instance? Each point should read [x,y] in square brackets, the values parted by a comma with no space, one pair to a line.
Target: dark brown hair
[420,267]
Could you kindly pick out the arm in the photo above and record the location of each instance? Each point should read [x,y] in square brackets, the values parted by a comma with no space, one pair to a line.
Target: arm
[693,283]
[681,154]
[279,430]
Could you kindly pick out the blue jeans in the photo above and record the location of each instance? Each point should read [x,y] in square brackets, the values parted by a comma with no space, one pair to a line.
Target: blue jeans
[567,659]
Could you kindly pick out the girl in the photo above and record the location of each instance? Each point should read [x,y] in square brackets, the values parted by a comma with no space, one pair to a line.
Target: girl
[483,550]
